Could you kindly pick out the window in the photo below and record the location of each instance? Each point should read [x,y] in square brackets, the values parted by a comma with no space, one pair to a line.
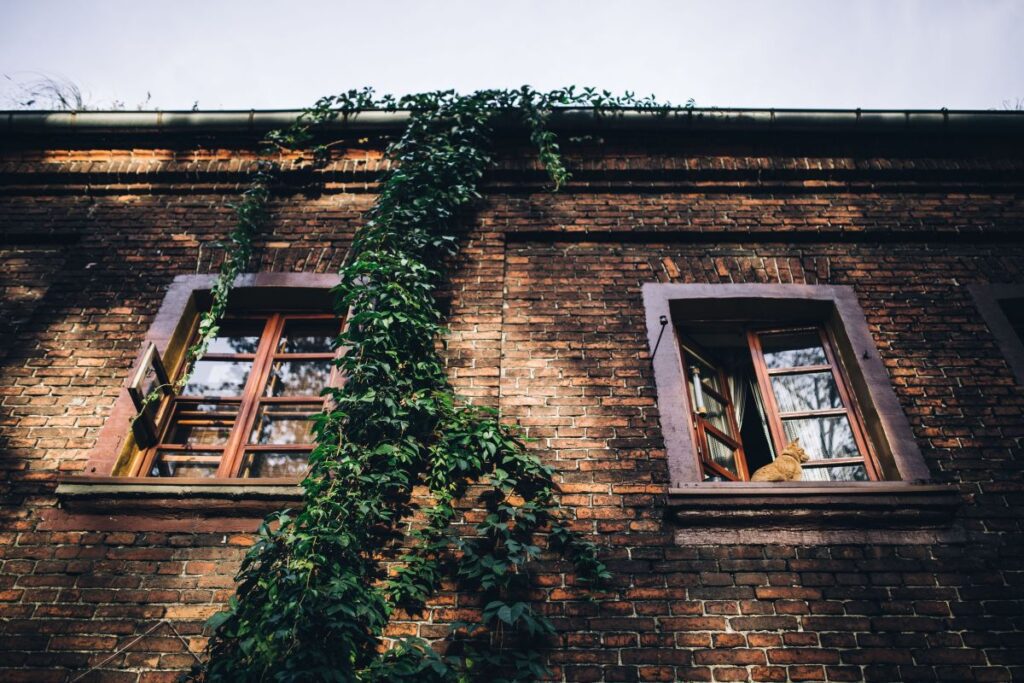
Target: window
[751,368]
[245,414]
[247,409]
[1002,307]
[752,391]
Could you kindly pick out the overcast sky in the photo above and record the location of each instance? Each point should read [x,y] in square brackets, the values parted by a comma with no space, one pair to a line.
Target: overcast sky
[240,54]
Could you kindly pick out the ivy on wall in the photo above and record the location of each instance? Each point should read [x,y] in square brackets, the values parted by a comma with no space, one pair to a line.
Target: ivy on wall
[317,590]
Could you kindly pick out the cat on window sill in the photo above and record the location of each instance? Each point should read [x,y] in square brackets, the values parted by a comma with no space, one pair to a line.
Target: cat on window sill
[786,467]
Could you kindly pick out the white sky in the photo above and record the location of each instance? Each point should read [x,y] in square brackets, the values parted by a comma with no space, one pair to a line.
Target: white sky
[745,53]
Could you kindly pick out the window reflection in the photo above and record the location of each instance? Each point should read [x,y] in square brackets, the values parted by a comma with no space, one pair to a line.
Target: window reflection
[283,424]
[298,377]
[792,349]
[218,378]
[823,437]
[804,392]
[237,336]
[275,464]
[308,336]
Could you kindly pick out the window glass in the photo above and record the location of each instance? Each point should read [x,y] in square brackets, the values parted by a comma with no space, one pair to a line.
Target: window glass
[308,336]
[248,409]
[274,464]
[823,437]
[792,349]
[805,392]
[298,377]
[201,424]
[722,454]
[286,423]
[218,378]
[185,464]
[851,473]
[237,337]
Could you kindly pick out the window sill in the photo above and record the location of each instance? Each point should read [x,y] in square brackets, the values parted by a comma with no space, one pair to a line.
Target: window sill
[796,512]
[177,498]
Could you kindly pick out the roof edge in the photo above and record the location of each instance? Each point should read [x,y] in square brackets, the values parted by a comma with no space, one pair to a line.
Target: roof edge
[46,123]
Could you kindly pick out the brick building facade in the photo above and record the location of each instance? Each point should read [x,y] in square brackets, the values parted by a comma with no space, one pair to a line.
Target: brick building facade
[899,236]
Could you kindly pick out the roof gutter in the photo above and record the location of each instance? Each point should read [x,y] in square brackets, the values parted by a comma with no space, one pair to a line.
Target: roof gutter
[15,124]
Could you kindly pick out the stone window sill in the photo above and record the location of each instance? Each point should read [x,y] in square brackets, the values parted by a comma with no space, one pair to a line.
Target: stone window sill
[814,512]
[212,497]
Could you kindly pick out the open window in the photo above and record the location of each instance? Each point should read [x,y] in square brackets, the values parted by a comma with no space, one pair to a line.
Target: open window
[751,391]
[755,367]
[247,409]
[246,413]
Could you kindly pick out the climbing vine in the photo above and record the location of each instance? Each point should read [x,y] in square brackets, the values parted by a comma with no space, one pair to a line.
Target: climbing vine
[321,583]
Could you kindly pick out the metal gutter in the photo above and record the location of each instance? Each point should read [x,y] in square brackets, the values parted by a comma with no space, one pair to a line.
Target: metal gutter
[15,124]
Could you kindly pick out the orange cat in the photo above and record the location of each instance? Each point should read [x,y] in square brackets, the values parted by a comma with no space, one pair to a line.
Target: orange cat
[786,467]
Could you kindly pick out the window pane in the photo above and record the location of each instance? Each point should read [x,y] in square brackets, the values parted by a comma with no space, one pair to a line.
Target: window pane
[218,378]
[823,437]
[237,336]
[708,375]
[810,391]
[271,464]
[721,454]
[284,424]
[150,381]
[298,377]
[792,349]
[308,336]
[201,424]
[717,414]
[185,464]
[850,473]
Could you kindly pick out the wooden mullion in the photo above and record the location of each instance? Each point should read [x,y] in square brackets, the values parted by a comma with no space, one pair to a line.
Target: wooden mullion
[714,394]
[185,447]
[227,357]
[250,396]
[308,316]
[720,435]
[797,370]
[289,400]
[279,447]
[184,458]
[833,462]
[719,470]
[208,399]
[303,356]
[804,414]
[788,330]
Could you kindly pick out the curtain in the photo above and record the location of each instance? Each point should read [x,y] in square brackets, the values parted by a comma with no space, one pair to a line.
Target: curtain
[755,391]
[739,385]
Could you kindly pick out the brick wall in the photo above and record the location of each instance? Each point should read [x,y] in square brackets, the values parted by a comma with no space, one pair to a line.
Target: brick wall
[546,323]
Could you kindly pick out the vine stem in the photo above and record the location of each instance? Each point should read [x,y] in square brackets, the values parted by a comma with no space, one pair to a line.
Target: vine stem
[395,424]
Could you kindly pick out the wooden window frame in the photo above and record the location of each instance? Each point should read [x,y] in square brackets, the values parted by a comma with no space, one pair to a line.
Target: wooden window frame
[231,456]
[850,408]
[836,308]
[700,425]
[112,457]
